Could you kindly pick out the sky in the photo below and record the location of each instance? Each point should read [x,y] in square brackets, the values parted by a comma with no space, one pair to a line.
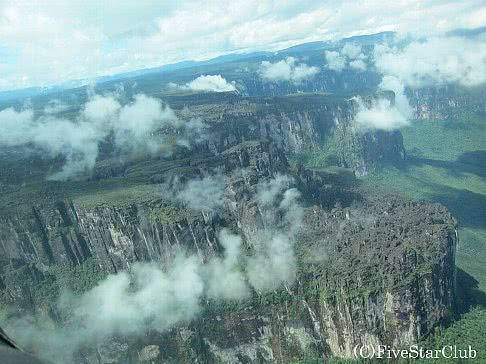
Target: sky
[48,42]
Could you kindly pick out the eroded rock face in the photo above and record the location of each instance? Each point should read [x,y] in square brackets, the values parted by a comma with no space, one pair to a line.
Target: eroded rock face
[446,102]
[390,273]
[370,270]
[381,272]
[117,237]
[295,124]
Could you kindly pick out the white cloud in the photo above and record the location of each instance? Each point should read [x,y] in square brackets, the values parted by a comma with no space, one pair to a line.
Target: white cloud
[349,56]
[352,51]
[200,193]
[432,62]
[101,110]
[303,72]
[287,70]
[138,120]
[401,102]
[214,83]
[335,61]
[158,299]
[435,61]
[274,263]
[76,141]
[381,115]
[49,42]
[358,64]
[135,127]
[225,278]
[16,126]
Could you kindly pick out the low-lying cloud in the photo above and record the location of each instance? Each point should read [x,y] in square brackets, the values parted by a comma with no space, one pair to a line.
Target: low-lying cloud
[287,70]
[278,206]
[349,56]
[432,62]
[127,303]
[139,120]
[135,128]
[152,297]
[226,279]
[382,114]
[213,83]
[435,61]
[205,193]
[274,263]
[77,141]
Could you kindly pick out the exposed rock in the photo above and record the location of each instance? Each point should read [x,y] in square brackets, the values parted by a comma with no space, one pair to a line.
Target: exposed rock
[295,124]
[448,102]
[370,270]
[380,273]
[149,352]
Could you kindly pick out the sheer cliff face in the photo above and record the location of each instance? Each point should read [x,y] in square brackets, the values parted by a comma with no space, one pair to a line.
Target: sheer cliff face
[297,124]
[447,102]
[382,279]
[381,271]
[379,274]
[324,81]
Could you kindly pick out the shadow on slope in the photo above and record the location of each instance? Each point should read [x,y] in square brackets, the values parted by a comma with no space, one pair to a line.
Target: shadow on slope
[468,293]
[468,162]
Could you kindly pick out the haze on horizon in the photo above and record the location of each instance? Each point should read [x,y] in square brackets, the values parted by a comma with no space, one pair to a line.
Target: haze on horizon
[44,43]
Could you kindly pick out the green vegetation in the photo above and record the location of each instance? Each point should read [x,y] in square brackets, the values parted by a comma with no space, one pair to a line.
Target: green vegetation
[166,214]
[327,155]
[46,287]
[110,192]
[447,164]
[469,330]
[78,279]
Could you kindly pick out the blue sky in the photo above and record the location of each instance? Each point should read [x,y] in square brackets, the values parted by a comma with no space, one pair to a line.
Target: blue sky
[49,42]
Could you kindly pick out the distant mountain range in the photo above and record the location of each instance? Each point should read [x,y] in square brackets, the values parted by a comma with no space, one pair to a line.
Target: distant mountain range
[311,46]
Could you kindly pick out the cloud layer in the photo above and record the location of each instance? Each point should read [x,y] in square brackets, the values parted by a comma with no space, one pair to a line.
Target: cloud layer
[349,56]
[134,126]
[381,115]
[287,70]
[274,263]
[429,62]
[214,83]
[204,193]
[435,61]
[44,43]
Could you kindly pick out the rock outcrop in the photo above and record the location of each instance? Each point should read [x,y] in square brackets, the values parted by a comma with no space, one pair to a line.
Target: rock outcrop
[370,269]
[295,124]
[381,272]
[448,102]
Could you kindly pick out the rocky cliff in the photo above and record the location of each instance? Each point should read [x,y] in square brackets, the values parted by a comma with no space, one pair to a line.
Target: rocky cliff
[369,269]
[447,102]
[379,272]
[295,124]
[325,81]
